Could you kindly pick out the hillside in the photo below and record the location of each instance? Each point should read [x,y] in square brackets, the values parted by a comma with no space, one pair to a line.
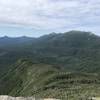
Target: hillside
[63,66]
[43,81]
[74,50]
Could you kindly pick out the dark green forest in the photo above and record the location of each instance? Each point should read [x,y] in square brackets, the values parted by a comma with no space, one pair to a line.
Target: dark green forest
[60,65]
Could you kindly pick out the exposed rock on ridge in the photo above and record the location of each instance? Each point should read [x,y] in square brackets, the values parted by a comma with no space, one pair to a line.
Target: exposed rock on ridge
[3,97]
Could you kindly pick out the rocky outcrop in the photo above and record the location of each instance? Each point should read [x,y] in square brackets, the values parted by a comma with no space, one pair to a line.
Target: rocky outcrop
[3,97]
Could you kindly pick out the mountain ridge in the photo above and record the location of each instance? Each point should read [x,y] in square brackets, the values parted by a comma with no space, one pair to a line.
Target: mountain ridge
[27,78]
[64,66]
[60,49]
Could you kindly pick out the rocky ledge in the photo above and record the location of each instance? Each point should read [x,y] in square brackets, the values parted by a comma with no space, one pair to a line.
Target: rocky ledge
[4,97]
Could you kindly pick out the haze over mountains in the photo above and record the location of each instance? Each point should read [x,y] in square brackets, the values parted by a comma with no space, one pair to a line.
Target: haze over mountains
[64,66]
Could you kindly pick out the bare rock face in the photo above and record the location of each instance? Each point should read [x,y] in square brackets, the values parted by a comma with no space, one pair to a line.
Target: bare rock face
[15,98]
[4,97]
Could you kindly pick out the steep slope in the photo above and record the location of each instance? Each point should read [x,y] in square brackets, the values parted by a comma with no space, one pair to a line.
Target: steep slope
[74,50]
[41,80]
[11,49]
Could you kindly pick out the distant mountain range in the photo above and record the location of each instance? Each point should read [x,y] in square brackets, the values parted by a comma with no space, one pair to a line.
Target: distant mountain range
[8,41]
[64,65]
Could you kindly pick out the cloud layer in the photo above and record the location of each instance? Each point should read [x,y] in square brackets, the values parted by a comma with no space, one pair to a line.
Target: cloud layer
[51,14]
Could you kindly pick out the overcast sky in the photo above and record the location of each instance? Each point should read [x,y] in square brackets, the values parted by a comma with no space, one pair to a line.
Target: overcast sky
[38,17]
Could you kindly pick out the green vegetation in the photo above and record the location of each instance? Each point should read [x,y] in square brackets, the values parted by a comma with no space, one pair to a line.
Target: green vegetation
[65,66]
[42,80]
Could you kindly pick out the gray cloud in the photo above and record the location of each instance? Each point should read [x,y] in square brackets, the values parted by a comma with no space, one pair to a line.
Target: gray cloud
[50,14]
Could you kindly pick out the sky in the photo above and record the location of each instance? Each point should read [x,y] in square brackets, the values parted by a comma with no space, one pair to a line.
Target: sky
[38,17]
